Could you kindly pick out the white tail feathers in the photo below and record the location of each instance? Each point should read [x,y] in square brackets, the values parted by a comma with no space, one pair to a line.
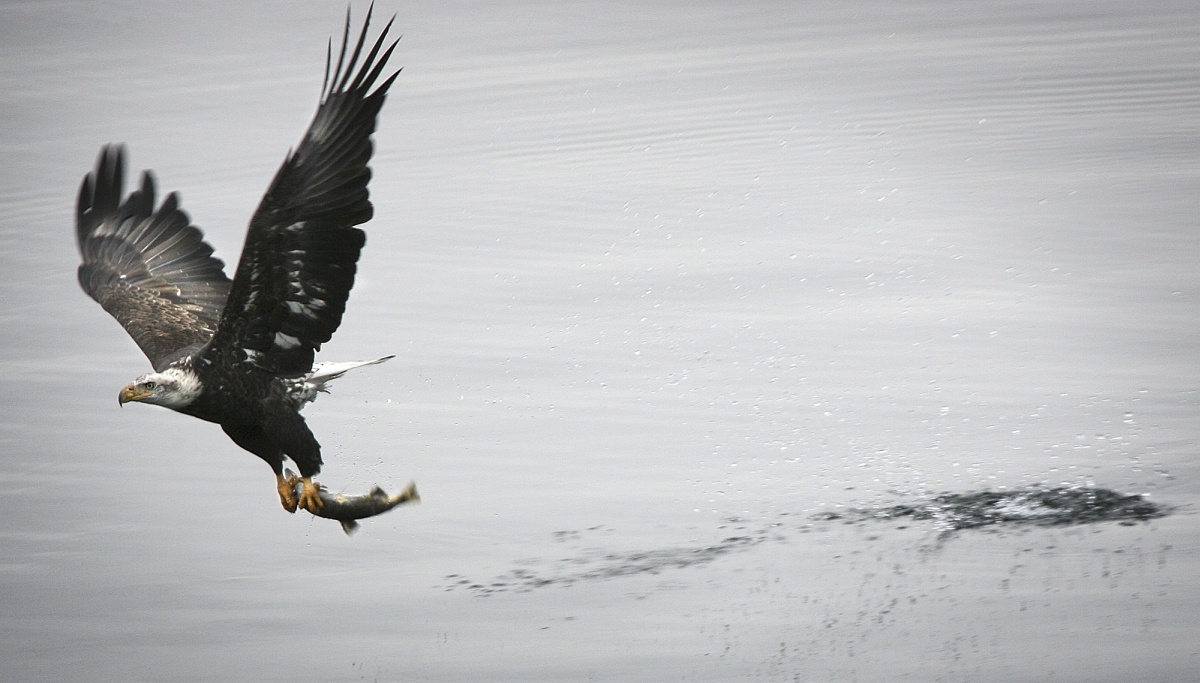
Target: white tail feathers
[305,389]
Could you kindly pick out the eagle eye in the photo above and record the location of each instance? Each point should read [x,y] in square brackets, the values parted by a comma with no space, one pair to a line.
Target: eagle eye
[149,385]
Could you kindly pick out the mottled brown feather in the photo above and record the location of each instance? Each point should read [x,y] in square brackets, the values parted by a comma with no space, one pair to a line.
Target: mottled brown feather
[149,268]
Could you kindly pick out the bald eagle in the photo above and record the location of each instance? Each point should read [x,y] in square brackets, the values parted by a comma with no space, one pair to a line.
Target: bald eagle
[240,352]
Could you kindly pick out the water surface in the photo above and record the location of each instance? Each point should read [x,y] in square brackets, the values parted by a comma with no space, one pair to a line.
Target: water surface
[664,283]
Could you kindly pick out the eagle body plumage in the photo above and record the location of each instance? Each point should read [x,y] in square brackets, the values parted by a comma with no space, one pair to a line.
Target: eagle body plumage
[240,352]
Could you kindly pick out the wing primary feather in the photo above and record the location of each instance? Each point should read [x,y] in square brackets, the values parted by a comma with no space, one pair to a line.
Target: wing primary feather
[328,61]
[362,38]
[365,79]
[342,52]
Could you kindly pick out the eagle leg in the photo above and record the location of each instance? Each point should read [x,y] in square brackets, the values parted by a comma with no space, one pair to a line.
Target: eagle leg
[310,495]
[287,491]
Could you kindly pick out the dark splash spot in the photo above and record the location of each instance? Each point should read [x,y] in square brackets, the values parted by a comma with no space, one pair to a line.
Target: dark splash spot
[1036,506]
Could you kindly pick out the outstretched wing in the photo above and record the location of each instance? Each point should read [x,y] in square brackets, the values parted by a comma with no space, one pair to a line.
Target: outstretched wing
[301,251]
[149,268]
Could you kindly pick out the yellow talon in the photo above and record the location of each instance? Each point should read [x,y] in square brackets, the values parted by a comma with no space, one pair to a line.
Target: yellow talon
[310,495]
[287,491]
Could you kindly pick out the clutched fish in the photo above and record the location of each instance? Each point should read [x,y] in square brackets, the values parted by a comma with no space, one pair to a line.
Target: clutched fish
[349,509]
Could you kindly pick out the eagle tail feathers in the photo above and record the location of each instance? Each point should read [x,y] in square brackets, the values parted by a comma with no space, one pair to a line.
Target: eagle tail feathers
[306,388]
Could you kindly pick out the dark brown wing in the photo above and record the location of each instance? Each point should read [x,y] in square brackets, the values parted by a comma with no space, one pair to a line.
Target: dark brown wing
[150,269]
[301,251]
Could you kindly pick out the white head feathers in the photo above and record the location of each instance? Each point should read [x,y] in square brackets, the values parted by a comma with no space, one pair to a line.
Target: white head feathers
[174,388]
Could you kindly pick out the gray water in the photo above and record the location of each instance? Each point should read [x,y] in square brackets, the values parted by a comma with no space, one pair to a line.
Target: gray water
[665,281]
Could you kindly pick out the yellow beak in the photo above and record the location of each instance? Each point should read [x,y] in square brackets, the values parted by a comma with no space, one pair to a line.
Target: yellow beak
[131,393]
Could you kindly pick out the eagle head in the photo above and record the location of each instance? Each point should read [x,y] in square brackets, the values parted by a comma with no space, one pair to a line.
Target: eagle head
[175,388]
